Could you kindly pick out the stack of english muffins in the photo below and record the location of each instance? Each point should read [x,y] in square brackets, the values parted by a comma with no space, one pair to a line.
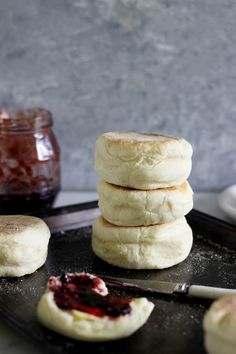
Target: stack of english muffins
[143,198]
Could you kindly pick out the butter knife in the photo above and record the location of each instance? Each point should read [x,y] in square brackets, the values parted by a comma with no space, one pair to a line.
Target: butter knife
[163,287]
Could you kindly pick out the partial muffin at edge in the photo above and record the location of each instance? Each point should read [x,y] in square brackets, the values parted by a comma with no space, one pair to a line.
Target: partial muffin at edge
[23,244]
[219,326]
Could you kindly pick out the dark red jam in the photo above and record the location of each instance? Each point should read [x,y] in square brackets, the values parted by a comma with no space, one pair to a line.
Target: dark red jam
[29,161]
[13,204]
[78,291]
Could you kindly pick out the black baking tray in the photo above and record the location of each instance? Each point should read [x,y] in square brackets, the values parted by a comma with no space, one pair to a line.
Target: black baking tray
[175,325]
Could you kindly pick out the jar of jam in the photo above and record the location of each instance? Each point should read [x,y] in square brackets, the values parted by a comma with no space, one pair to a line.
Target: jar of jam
[29,161]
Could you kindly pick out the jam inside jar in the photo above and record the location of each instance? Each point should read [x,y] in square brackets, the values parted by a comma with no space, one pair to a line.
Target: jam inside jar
[29,161]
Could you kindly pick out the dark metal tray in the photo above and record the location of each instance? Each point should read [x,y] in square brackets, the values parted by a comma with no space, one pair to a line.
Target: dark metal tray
[175,326]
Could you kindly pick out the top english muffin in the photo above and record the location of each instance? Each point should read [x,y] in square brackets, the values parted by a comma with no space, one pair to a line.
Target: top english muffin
[142,160]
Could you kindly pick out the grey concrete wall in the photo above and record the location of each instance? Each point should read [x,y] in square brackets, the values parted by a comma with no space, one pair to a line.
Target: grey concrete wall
[150,65]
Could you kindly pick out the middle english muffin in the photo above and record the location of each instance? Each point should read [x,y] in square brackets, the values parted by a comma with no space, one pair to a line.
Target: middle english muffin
[131,207]
[142,247]
[142,161]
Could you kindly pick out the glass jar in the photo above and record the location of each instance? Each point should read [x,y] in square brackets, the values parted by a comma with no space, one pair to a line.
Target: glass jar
[29,161]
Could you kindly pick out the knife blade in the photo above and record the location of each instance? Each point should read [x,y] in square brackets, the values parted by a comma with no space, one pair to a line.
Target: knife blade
[164,287]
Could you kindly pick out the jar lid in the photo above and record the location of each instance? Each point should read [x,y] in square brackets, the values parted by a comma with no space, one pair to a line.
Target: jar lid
[25,120]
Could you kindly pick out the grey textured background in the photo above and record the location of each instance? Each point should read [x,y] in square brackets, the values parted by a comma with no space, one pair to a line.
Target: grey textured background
[150,65]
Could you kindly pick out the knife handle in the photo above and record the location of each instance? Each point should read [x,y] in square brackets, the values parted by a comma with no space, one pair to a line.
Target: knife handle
[209,292]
